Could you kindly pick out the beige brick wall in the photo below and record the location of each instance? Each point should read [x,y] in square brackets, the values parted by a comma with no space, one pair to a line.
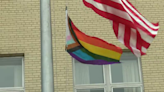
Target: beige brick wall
[20,33]
[152,63]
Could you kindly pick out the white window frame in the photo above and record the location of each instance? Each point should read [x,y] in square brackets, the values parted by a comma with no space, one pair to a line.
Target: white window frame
[15,89]
[108,85]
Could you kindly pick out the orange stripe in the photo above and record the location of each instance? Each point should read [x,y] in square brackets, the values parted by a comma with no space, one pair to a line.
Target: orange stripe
[95,41]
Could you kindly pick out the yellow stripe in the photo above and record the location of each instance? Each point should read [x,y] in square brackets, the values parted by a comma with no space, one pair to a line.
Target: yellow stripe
[101,51]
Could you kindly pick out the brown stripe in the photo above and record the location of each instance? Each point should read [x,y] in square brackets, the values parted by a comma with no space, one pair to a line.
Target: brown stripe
[74,49]
[73,45]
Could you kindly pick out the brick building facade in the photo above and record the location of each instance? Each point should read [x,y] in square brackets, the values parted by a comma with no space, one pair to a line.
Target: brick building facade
[20,36]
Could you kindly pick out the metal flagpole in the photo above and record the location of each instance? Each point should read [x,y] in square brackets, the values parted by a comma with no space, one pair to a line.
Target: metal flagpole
[47,78]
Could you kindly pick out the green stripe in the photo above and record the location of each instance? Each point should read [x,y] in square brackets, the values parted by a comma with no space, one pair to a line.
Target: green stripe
[98,56]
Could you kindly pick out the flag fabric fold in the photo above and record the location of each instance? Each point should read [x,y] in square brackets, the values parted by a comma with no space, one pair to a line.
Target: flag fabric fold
[89,50]
[129,26]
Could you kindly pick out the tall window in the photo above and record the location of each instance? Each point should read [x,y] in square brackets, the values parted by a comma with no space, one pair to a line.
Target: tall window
[124,77]
[11,74]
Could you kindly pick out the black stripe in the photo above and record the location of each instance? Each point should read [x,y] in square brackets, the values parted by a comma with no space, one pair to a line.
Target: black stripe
[74,49]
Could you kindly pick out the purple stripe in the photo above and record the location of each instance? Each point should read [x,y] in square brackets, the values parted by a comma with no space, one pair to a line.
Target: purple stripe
[94,62]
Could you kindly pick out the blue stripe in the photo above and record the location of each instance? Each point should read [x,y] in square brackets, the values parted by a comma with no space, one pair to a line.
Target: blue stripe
[83,55]
[70,42]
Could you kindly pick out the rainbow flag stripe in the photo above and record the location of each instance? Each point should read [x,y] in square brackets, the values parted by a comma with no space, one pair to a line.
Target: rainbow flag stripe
[90,50]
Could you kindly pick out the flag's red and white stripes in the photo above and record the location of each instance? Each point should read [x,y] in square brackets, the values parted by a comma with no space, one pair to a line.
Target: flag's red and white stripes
[130,27]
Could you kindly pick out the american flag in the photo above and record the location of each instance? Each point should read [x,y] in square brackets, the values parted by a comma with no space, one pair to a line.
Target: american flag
[129,26]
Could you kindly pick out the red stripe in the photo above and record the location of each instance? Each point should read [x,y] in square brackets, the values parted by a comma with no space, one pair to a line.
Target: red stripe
[115,27]
[138,18]
[111,3]
[155,24]
[139,41]
[143,29]
[144,43]
[127,36]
